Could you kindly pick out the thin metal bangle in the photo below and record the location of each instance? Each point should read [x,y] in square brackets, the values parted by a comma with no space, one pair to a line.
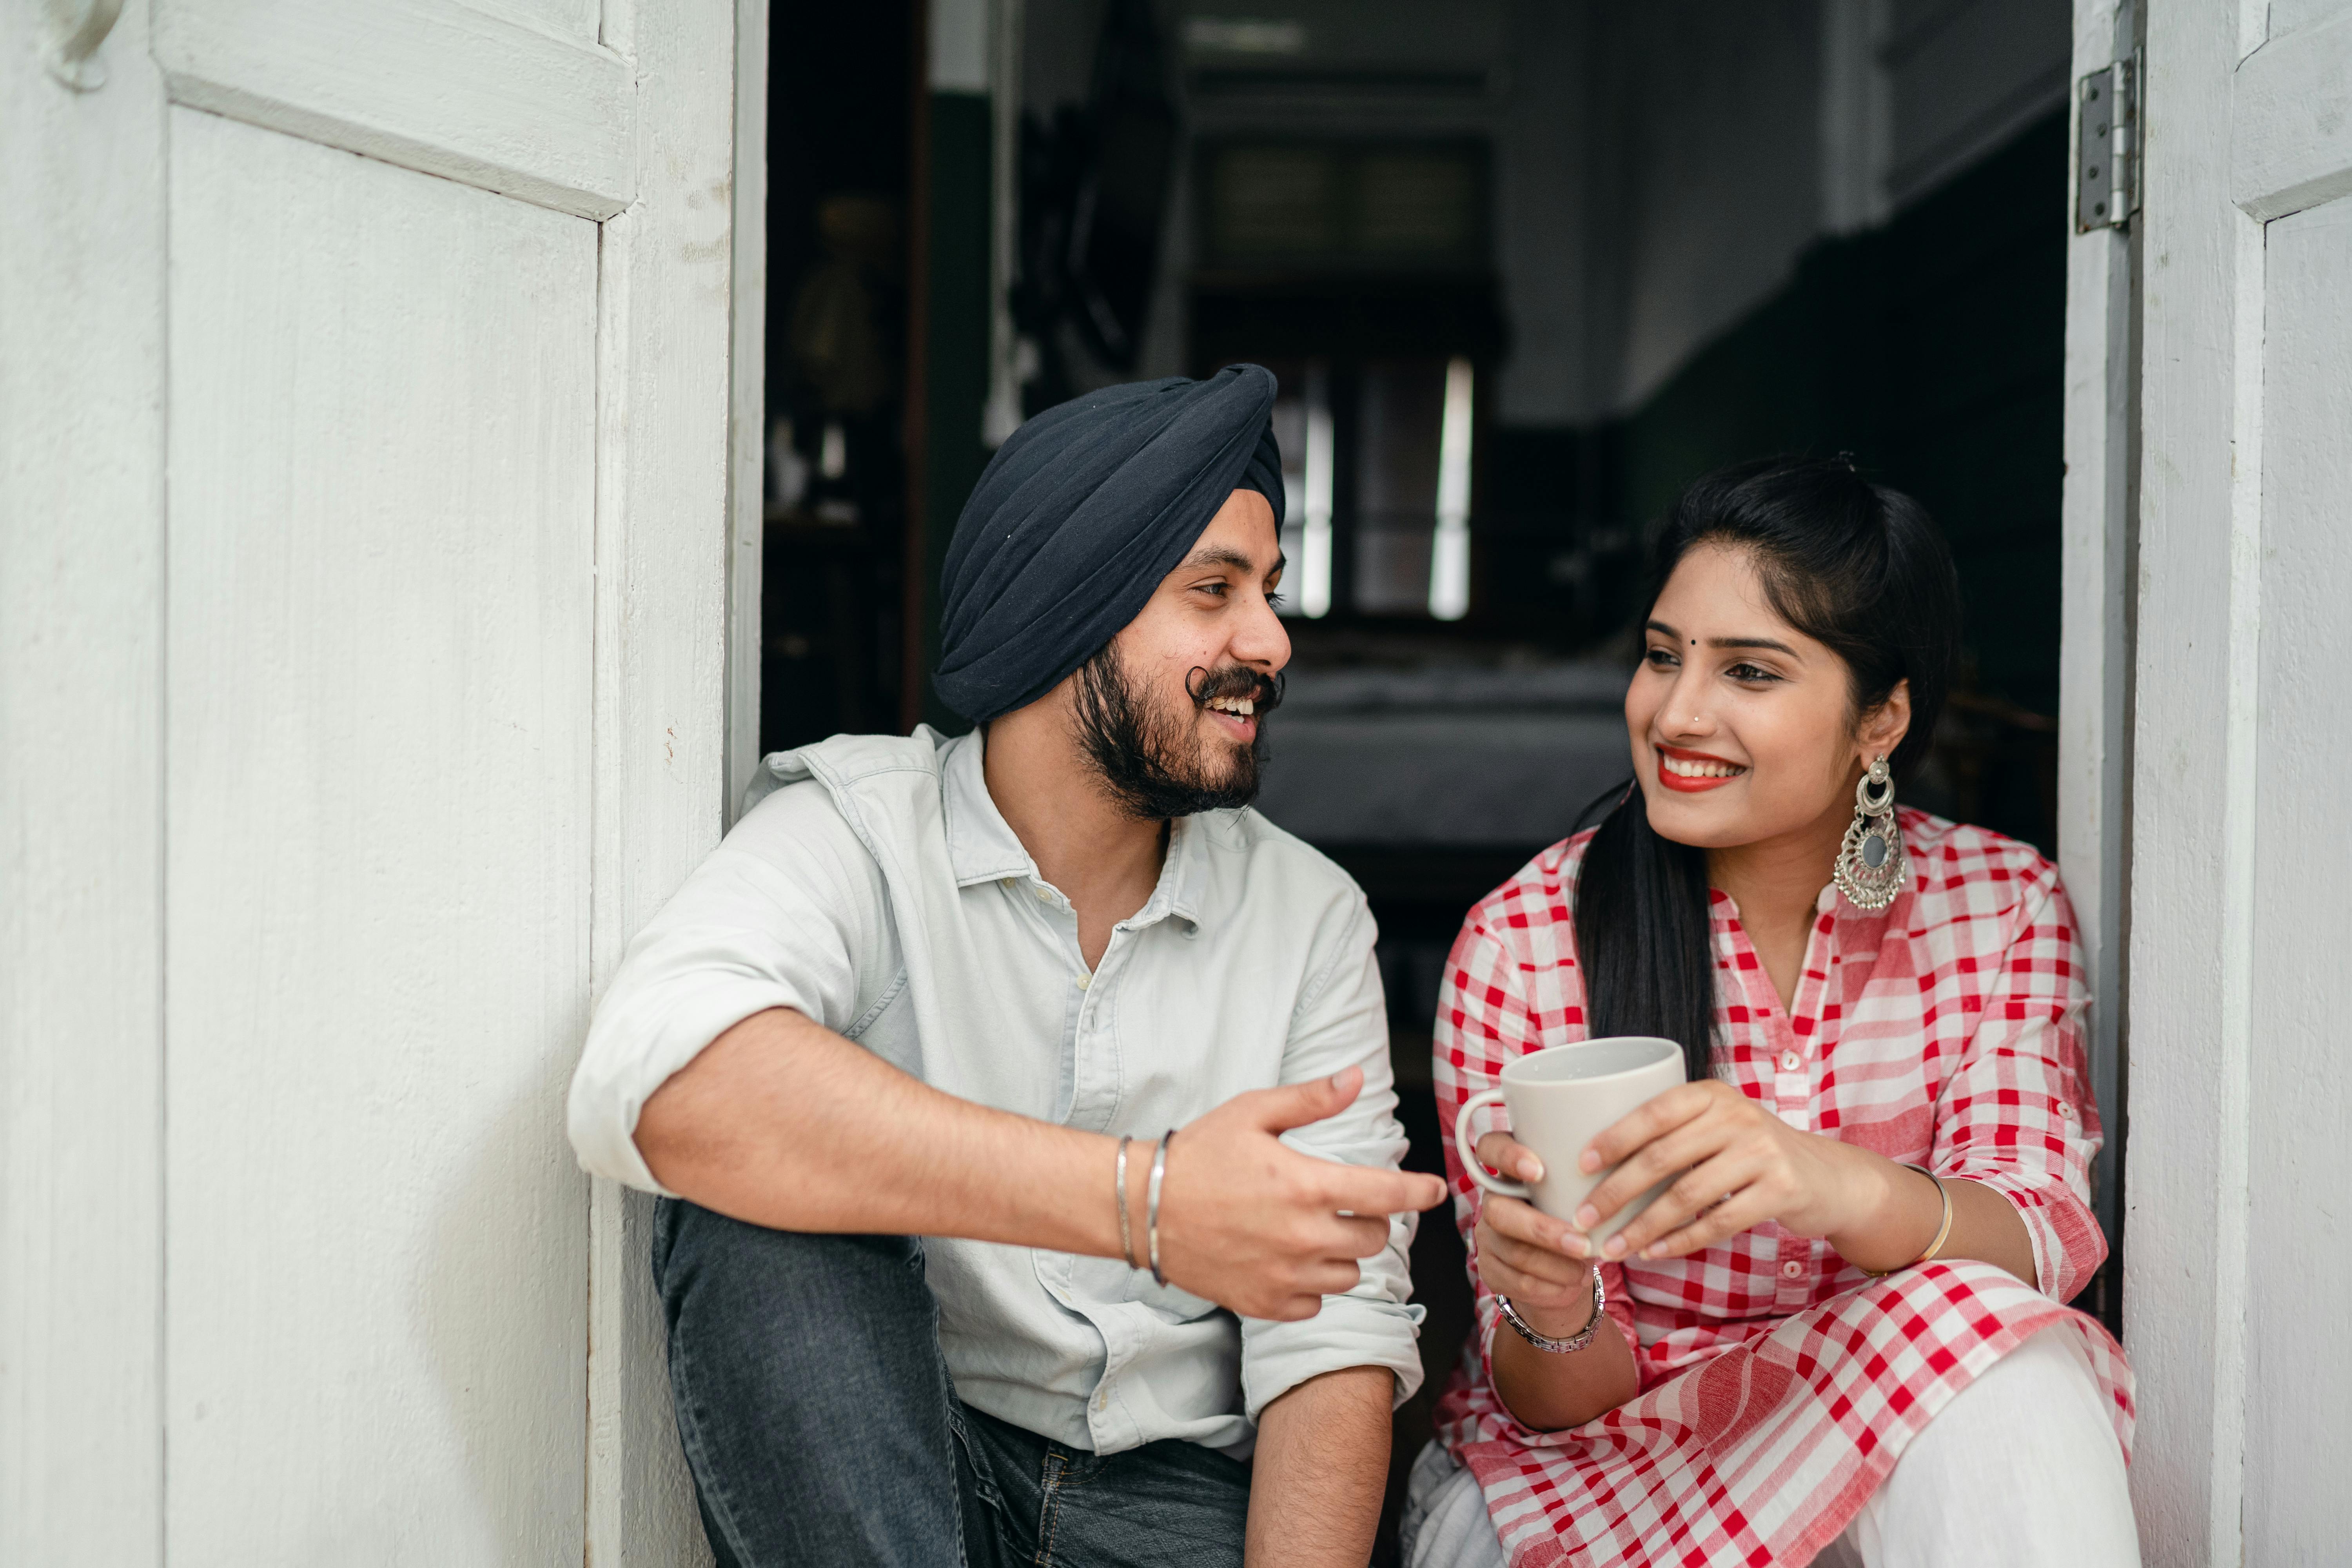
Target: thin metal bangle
[1151,1205]
[1943,1230]
[1126,1234]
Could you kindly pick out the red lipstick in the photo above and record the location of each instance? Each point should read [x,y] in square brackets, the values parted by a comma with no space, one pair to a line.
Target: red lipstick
[1687,783]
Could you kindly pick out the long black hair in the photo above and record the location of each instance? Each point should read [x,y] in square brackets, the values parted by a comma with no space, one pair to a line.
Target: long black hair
[1858,567]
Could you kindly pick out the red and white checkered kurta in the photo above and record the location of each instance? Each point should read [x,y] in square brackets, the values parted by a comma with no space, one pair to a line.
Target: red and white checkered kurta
[1779,1384]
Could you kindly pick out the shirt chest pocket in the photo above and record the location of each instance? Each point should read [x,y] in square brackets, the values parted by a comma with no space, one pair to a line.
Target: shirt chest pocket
[1107,1279]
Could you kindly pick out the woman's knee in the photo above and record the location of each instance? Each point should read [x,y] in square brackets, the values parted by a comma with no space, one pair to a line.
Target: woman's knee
[2022,1466]
[2045,1385]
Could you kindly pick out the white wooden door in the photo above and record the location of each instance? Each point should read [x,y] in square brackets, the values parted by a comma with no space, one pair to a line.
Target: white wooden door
[2238,1244]
[365,398]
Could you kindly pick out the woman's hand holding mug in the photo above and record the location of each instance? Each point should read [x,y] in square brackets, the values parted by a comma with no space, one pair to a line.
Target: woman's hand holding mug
[1531,1247]
[1539,1262]
[1613,1157]
[1740,1166]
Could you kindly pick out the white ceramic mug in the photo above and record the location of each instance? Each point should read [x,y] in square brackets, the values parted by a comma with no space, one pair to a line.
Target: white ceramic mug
[1561,1099]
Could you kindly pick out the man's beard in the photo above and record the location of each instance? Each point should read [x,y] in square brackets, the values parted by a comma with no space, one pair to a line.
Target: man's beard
[1154,761]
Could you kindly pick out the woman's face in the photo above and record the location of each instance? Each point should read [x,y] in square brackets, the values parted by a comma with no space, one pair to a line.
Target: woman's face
[1743,728]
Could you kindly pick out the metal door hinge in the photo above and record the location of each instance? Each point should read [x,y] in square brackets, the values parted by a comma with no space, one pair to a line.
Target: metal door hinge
[2106,146]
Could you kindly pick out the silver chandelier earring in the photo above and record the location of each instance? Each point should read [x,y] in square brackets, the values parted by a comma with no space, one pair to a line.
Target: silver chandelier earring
[1871,865]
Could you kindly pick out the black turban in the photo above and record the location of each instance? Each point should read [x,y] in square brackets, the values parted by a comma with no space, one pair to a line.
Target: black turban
[1081,515]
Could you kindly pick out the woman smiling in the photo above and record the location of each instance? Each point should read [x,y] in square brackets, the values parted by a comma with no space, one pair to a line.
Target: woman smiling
[1840,1332]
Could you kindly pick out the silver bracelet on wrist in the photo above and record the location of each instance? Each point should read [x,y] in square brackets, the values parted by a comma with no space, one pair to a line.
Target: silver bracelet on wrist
[1126,1233]
[1152,1205]
[1575,1342]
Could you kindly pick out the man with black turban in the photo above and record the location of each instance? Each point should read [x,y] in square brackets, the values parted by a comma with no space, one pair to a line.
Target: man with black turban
[1020,1102]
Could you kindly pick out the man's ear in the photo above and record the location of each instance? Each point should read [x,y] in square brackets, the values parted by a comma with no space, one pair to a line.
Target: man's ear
[1883,727]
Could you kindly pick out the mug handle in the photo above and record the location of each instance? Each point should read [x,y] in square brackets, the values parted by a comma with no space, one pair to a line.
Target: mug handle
[1470,1165]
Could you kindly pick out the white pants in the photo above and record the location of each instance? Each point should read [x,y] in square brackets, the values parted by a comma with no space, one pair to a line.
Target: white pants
[2022,1470]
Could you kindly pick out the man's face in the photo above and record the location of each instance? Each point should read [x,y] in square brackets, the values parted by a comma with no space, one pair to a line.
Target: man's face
[1173,712]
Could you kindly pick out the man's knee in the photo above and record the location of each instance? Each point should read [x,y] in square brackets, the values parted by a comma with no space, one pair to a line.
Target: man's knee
[810,1396]
[727,1270]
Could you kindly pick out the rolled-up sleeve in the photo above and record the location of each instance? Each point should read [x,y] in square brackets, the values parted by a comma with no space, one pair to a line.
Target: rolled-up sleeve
[775,918]
[1341,1021]
[2017,1116]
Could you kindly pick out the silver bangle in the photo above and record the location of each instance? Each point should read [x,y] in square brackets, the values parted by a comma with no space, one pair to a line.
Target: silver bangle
[1126,1233]
[1575,1342]
[1151,1205]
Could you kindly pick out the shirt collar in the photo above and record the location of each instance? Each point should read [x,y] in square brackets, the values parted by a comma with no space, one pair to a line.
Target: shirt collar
[1184,879]
[982,846]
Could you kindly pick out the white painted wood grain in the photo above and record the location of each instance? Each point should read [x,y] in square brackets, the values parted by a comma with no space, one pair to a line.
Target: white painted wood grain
[470,94]
[748,436]
[573,19]
[2184,1255]
[2237,1146]
[2292,15]
[2299,1232]
[666,273]
[81,563]
[2098,496]
[380,682]
[2291,121]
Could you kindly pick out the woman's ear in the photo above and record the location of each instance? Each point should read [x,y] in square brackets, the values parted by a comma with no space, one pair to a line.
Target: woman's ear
[1884,726]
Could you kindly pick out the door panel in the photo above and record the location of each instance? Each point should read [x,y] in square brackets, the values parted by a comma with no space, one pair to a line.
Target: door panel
[467,93]
[2234,1259]
[576,18]
[2293,15]
[380,686]
[2299,1228]
[364,562]
[2290,124]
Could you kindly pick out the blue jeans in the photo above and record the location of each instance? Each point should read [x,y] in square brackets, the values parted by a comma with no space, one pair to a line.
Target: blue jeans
[822,1429]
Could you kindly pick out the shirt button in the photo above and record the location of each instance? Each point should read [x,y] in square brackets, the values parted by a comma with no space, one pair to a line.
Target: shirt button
[1084,981]
[1044,896]
[1102,1398]
[1793,1269]
[2066,1109]
[1791,1061]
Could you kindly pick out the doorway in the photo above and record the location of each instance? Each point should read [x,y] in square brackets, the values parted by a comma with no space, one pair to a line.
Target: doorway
[1523,269]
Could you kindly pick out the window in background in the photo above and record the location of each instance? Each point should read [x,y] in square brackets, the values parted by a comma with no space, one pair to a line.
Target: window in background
[1337,206]
[1302,426]
[1359,272]
[1400,413]
[1449,552]
[1412,488]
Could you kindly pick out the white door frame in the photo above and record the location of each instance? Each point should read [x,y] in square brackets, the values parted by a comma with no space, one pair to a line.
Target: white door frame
[81,803]
[2100,496]
[747,493]
[668,492]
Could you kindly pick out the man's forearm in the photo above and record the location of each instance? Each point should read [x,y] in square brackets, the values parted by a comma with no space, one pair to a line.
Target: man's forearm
[1322,1465]
[782,1123]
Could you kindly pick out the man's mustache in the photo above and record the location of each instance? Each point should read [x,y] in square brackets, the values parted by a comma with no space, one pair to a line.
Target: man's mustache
[1205,686]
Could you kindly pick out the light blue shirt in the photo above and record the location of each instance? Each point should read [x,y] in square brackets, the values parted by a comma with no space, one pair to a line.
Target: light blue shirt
[878,891]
